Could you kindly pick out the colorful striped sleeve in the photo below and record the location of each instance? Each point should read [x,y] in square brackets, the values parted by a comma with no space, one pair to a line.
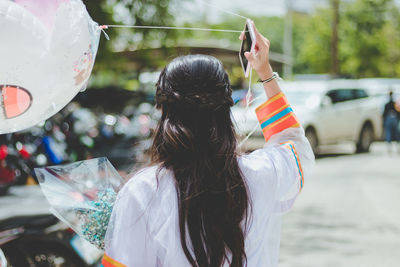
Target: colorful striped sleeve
[276,115]
[107,261]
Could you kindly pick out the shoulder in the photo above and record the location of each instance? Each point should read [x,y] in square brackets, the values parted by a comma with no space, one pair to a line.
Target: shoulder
[140,186]
[144,177]
[145,187]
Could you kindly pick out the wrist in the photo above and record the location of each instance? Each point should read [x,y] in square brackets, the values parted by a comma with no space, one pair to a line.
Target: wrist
[274,76]
[265,73]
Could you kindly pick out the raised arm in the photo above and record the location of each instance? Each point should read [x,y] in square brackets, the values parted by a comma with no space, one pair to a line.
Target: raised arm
[287,152]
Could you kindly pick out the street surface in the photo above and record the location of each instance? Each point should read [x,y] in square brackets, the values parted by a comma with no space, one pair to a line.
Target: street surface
[348,213]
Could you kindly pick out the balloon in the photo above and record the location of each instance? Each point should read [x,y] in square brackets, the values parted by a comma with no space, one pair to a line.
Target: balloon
[44,10]
[47,52]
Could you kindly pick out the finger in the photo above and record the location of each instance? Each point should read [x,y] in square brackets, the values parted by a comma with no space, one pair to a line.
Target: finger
[259,37]
[250,57]
[242,36]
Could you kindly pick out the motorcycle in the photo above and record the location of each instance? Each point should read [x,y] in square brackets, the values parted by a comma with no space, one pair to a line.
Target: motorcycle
[31,240]
[13,167]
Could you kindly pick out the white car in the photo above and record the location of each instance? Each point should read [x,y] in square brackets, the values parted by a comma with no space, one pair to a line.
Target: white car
[330,112]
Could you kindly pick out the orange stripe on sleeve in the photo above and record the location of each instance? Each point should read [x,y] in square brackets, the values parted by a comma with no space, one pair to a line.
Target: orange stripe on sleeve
[269,101]
[107,261]
[274,106]
[279,115]
[288,122]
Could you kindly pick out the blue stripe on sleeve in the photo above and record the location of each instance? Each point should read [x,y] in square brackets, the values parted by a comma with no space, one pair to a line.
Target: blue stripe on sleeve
[276,117]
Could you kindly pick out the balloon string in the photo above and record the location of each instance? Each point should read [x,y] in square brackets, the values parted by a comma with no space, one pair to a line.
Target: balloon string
[102,28]
[249,94]
[255,99]
[167,28]
[249,135]
[248,102]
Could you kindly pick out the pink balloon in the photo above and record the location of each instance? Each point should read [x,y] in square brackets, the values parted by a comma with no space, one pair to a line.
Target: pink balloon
[44,10]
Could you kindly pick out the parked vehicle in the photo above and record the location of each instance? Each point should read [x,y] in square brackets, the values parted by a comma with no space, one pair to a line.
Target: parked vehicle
[330,112]
[30,236]
[14,160]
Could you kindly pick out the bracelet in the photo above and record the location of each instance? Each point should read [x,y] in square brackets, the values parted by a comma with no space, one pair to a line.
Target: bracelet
[274,76]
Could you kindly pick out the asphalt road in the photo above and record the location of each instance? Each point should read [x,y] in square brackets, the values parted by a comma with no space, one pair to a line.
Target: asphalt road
[348,213]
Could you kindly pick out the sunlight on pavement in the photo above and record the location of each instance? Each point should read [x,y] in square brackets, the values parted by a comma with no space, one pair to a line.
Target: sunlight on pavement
[347,214]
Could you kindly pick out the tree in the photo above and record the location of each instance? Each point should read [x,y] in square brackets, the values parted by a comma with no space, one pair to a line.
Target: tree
[368,37]
[334,44]
[110,66]
[363,44]
[312,42]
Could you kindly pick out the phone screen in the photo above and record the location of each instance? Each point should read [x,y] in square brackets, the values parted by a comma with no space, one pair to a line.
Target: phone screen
[246,47]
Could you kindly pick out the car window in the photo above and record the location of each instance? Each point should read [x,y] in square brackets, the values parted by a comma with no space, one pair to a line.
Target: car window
[340,95]
[360,93]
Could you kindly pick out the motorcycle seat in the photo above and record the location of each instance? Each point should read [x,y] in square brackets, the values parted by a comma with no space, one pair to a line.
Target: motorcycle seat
[28,222]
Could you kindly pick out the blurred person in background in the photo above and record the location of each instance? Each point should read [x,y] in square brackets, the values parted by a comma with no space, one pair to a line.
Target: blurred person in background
[391,117]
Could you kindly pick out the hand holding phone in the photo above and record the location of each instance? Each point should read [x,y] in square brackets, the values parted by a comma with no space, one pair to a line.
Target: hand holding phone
[255,52]
[248,38]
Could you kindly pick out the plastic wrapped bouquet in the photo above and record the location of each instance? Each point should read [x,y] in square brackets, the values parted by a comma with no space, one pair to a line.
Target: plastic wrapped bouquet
[82,195]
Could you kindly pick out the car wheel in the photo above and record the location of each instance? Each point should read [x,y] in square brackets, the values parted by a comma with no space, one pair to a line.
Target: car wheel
[366,139]
[313,139]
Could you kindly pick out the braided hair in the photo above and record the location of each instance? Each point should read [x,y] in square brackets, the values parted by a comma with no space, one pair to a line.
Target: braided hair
[195,138]
[206,91]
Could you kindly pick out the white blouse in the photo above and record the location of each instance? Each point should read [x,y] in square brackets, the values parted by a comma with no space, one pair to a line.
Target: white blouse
[144,228]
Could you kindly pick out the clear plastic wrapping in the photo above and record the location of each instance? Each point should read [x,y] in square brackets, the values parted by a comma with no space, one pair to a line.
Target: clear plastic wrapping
[82,195]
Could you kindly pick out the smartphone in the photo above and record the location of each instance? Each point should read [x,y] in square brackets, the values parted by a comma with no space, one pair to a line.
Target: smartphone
[248,45]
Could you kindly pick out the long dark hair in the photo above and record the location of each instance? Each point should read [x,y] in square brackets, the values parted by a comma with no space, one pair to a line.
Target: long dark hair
[195,138]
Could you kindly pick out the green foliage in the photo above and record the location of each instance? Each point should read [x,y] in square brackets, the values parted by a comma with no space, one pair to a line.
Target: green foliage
[147,13]
[369,39]
[312,42]
[363,44]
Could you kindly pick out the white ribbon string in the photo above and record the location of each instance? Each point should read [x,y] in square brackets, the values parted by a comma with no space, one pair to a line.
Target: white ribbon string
[248,102]
[255,99]
[249,135]
[103,27]
[249,94]
[170,28]
[183,28]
